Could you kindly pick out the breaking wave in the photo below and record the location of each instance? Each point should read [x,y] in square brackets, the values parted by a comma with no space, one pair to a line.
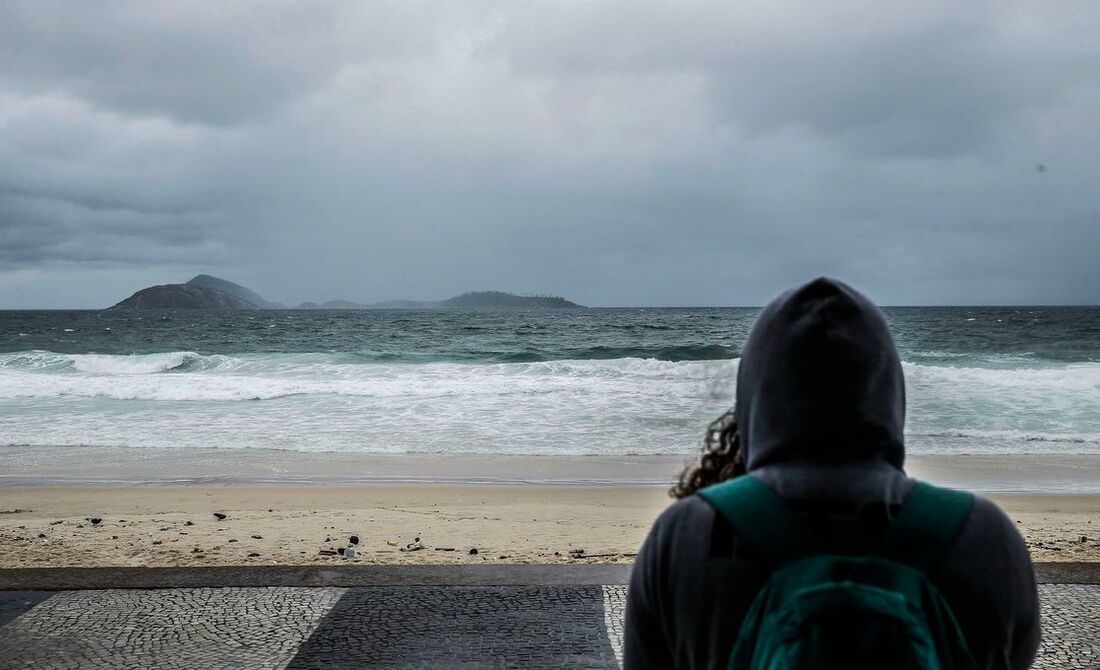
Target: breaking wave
[182,376]
[615,401]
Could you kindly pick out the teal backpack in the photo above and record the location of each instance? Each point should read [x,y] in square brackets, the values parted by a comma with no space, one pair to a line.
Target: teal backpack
[822,610]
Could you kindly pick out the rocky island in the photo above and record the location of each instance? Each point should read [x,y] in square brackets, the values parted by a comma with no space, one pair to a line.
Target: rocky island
[202,292]
[498,299]
[471,300]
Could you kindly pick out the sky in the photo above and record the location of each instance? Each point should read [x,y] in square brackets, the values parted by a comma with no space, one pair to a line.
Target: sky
[617,153]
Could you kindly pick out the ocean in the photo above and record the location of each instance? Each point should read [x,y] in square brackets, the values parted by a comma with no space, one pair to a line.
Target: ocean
[593,382]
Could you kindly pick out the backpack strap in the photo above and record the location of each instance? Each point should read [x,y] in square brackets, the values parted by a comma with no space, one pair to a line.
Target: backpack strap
[921,535]
[925,529]
[762,519]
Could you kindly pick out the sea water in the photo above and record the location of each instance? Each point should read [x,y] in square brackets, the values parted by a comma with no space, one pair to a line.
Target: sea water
[547,382]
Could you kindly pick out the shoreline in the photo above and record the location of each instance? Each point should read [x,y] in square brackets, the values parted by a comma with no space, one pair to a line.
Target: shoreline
[99,466]
[292,508]
[158,525]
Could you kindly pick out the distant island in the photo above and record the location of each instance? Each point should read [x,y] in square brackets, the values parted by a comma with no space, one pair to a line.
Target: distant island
[202,292]
[507,300]
[208,292]
[471,300]
[182,296]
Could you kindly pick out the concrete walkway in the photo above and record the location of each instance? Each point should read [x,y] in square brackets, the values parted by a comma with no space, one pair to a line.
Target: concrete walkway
[396,617]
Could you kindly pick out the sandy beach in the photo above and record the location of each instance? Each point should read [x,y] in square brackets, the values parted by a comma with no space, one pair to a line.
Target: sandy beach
[172,525]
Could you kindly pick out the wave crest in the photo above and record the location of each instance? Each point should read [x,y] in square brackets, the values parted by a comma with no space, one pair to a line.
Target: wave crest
[1064,377]
[104,364]
[183,376]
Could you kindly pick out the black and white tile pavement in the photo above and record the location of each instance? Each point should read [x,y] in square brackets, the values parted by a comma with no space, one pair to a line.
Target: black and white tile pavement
[533,626]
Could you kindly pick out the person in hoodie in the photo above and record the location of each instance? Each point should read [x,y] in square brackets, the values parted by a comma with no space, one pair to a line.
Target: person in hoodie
[818,417]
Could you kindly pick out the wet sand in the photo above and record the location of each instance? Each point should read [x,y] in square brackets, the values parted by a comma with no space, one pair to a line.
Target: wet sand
[266,524]
[38,466]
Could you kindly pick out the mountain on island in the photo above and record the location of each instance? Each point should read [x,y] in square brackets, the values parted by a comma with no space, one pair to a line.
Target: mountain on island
[235,290]
[472,300]
[182,296]
[202,292]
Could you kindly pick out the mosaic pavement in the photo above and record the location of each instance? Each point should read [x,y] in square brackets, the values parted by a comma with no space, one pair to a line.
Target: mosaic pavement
[561,626]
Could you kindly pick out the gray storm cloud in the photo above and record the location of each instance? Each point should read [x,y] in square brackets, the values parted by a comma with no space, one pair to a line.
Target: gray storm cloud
[618,153]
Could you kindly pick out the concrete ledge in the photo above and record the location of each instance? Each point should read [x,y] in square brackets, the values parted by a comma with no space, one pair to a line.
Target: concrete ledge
[1066,573]
[65,579]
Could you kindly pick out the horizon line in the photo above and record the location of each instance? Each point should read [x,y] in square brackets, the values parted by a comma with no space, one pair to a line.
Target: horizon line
[579,306]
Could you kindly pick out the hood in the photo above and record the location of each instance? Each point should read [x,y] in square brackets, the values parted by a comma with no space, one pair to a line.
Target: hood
[820,382]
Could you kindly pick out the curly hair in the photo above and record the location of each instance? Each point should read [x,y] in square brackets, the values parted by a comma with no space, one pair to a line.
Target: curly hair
[721,459]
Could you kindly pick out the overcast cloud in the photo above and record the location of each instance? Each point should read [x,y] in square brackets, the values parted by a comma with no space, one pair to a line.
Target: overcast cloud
[616,153]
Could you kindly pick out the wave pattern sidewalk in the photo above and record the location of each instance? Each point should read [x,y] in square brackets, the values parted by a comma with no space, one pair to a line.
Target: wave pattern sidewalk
[534,626]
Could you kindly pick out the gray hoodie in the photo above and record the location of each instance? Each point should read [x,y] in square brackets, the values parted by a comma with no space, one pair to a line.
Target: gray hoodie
[820,410]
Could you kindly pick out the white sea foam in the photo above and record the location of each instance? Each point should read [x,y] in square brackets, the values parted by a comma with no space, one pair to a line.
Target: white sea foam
[204,378]
[44,361]
[344,402]
[1059,378]
[131,365]
[1009,436]
[315,402]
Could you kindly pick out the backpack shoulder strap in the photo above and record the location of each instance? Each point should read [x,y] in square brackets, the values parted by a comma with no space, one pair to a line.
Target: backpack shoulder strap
[925,529]
[762,519]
